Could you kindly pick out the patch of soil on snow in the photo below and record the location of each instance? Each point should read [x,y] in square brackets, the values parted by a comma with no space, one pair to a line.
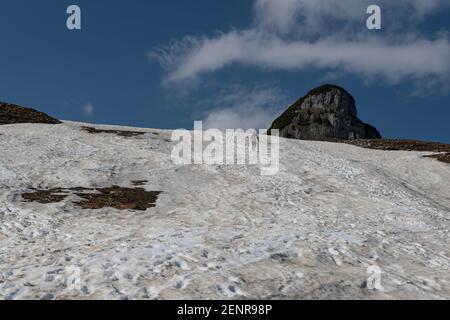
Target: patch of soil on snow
[139,182]
[119,198]
[121,133]
[443,157]
[406,145]
[12,114]
[45,196]
[401,145]
[113,197]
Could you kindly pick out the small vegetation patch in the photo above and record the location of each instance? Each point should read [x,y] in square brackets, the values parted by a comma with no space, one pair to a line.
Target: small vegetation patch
[121,133]
[113,197]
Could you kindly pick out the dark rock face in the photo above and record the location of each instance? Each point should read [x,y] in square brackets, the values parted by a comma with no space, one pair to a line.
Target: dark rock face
[11,114]
[325,113]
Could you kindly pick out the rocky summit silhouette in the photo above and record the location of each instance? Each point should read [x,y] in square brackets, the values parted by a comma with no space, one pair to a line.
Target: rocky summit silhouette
[326,113]
[11,114]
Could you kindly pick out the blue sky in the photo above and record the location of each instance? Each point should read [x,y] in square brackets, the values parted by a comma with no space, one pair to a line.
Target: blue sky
[243,63]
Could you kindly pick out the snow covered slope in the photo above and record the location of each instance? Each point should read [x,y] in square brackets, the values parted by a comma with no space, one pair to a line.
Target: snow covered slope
[333,213]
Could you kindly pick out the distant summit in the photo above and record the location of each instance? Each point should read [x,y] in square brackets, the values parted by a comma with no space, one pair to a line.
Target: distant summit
[325,113]
[11,114]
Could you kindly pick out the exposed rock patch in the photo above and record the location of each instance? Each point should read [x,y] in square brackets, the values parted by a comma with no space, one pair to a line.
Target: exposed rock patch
[12,114]
[325,113]
[113,197]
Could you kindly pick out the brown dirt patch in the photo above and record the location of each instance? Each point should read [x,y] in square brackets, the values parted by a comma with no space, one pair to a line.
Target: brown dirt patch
[406,145]
[401,145]
[113,197]
[11,114]
[443,157]
[121,133]
[45,196]
[139,182]
[119,198]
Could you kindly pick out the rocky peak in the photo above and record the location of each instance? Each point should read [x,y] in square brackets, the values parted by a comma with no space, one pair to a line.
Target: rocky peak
[325,113]
[11,114]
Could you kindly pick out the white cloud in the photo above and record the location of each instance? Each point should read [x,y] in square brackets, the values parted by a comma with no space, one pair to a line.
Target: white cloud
[241,108]
[374,57]
[88,110]
[279,15]
[320,16]
[297,35]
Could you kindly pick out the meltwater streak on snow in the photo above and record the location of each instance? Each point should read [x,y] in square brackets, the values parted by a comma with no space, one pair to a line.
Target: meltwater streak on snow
[6,174]
[309,232]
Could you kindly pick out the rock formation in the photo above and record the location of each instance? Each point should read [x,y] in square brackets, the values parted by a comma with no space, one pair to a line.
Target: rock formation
[325,113]
[10,114]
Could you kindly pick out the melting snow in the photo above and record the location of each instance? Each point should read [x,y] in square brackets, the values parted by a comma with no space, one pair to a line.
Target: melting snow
[310,232]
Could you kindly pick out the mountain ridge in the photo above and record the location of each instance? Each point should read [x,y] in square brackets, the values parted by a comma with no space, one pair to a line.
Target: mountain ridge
[12,114]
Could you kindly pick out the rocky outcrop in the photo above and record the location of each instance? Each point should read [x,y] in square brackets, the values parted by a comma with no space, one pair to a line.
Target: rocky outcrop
[11,114]
[325,113]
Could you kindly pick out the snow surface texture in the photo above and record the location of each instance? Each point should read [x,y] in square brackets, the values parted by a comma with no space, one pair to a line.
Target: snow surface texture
[310,232]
